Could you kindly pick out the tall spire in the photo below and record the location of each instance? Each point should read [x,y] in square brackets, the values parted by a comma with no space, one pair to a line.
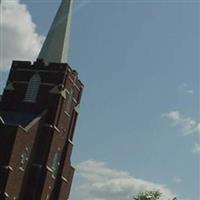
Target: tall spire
[55,47]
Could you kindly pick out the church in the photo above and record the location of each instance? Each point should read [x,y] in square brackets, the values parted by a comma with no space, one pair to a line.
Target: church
[38,114]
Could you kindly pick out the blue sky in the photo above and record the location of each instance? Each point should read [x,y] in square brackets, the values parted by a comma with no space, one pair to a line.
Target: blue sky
[139,62]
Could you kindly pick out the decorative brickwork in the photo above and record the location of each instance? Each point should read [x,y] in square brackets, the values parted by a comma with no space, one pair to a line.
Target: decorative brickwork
[36,136]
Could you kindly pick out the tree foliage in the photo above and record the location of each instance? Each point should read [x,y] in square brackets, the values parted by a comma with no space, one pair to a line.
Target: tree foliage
[149,195]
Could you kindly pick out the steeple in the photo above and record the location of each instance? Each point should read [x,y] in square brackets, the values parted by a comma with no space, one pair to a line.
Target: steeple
[55,47]
[38,116]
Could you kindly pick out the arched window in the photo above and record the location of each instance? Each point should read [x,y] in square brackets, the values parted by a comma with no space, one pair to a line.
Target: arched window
[56,162]
[24,159]
[33,87]
[69,101]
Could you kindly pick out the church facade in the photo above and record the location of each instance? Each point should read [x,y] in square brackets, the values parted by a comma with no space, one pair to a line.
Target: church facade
[38,114]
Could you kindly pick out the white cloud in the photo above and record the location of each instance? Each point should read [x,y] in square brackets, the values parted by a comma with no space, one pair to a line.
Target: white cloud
[100,182]
[185,89]
[18,37]
[187,124]
[196,149]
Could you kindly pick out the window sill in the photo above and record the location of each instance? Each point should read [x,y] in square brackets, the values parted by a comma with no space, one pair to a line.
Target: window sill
[21,169]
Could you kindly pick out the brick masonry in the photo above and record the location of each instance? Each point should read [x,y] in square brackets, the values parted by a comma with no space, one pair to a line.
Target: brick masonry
[35,157]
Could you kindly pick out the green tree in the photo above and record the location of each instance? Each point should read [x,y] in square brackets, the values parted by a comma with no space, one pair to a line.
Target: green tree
[149,195]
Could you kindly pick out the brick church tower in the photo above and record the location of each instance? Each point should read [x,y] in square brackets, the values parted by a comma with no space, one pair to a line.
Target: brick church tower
[38,114]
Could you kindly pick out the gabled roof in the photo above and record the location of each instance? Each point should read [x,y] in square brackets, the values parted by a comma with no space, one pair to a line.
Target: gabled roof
[17,118]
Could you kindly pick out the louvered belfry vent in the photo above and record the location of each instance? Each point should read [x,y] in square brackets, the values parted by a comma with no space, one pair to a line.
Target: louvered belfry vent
[33,88]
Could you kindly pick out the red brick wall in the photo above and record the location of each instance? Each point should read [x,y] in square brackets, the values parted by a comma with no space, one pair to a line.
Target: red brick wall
[48,135]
